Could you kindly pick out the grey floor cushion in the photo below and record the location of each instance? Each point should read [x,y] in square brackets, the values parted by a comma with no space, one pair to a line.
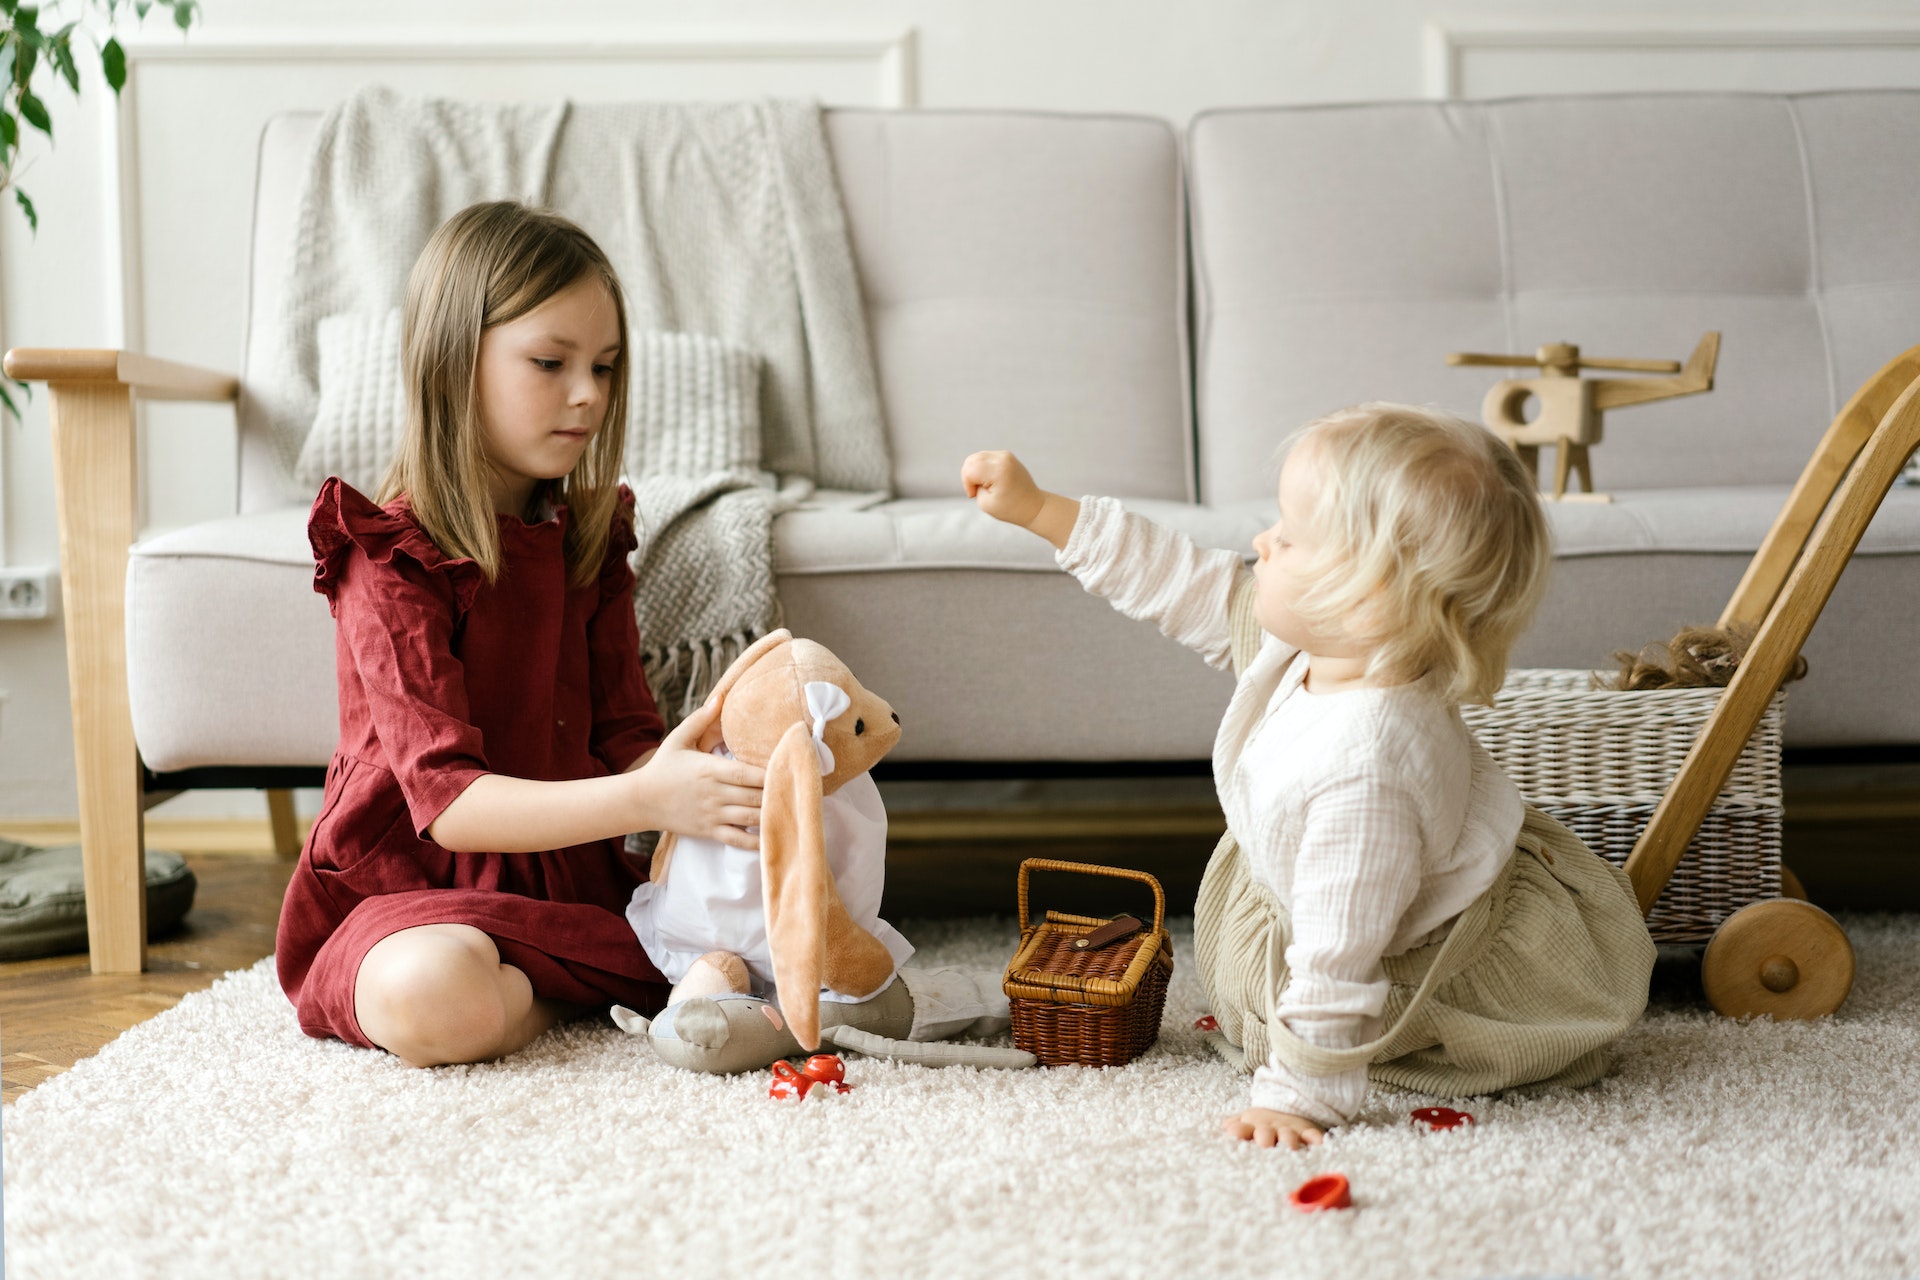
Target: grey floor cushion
[43,904]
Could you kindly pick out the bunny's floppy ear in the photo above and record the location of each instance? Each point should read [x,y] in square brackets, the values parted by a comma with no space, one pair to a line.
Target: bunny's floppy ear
[795,880]
[750,655]
[814,942]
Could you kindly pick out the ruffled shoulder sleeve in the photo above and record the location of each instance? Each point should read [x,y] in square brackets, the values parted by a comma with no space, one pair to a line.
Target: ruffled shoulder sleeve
[622,540]
[344,519]
[616,577]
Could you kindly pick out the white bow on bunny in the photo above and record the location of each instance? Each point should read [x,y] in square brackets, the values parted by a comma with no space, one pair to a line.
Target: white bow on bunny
[825,702]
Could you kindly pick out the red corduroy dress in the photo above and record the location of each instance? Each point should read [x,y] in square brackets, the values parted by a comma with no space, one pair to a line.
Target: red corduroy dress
[442,678]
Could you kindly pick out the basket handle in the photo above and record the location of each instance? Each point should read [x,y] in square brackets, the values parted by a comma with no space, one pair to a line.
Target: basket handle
[1088,868]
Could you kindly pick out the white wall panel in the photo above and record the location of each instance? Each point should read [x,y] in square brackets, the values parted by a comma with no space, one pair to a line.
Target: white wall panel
[1491,58]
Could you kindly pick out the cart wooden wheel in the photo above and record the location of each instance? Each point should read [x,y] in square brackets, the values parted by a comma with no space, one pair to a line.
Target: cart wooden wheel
[1790,886]
[1780,957]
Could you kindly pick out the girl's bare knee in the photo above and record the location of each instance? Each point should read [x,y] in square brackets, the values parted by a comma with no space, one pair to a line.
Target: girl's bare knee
[436,994]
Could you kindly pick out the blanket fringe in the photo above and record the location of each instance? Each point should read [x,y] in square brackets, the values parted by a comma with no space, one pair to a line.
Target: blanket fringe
[681,675]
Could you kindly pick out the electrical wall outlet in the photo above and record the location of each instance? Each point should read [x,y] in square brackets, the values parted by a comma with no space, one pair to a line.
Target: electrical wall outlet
[28,593]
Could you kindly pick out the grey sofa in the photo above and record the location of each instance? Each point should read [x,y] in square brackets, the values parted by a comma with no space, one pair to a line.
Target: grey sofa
[1140,323]
[1145,314]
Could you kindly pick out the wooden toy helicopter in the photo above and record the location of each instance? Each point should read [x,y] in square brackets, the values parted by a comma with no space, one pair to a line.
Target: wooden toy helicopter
[1570,406]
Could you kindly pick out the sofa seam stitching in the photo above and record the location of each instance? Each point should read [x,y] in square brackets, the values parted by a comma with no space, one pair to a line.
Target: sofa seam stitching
[1816,279]
[1200,304]
[1502,233]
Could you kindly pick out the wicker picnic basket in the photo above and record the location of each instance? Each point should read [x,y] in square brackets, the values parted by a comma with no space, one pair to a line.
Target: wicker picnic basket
[1599,760]
[1097,1007]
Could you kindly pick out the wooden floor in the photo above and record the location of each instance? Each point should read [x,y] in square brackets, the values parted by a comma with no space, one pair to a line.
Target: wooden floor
[1854,847]
[54,1012]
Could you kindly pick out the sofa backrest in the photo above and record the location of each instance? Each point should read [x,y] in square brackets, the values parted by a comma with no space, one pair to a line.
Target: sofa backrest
[1024,277]
[1341,252]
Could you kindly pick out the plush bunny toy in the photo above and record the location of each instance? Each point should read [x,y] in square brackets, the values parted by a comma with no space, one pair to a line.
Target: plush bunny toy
[771,952]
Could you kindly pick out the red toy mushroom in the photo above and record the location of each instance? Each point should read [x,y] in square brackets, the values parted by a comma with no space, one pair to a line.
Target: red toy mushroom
[790,1081]
[1441,1118]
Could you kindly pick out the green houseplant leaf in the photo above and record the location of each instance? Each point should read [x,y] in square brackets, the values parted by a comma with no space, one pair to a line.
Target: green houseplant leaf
[6,397]
[35,113]
[60,49]
[21,44]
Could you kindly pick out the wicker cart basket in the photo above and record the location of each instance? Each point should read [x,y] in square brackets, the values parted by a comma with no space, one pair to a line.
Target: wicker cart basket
[1096,1007]
[1599,760]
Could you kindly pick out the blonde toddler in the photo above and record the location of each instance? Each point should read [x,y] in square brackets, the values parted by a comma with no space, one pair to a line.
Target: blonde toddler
[1384,904]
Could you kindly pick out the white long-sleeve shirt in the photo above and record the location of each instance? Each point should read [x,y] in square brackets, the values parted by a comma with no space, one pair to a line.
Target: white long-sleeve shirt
[1372,814]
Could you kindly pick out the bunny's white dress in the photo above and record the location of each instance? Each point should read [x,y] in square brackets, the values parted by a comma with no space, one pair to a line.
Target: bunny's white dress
[713,899]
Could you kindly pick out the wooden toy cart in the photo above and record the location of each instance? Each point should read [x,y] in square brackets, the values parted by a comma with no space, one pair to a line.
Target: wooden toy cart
[1783,956]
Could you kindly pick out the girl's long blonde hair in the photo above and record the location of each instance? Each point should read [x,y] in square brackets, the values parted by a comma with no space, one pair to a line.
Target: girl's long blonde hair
[487,265]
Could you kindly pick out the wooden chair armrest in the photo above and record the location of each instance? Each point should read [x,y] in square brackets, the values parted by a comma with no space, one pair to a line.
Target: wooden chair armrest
[143,375]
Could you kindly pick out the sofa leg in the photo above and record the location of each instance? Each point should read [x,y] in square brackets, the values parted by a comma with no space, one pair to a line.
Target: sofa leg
[93,462]
[286,829]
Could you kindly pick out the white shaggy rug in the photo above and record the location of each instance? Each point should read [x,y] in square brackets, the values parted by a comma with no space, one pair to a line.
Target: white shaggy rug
[216,1140]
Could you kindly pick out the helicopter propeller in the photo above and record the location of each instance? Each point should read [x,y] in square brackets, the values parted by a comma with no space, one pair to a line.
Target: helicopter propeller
[1546,359]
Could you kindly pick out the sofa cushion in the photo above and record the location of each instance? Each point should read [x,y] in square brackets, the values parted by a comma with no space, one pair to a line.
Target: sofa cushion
[230,655]
[1629,225]
[696,406]
[989,652]
[363,402]
[951,533]
[914,587]
[1024,277]
[684,387]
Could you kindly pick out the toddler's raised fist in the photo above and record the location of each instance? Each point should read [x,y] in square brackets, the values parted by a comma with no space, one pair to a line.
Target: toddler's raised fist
[1001,485]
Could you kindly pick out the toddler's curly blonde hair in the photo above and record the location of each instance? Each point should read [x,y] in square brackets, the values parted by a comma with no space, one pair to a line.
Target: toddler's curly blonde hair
[1432,531]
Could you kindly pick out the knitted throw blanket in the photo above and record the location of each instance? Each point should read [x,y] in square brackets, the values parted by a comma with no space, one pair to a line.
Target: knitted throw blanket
[703,510]
[721,219]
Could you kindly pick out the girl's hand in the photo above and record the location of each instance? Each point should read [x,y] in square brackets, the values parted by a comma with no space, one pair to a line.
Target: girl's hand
[686,789]
[1264,1128]
[1002,486]
[1004,490]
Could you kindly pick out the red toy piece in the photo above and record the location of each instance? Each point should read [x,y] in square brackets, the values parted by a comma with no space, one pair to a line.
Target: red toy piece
[1206,1022]
[790,1081]
[826,1068]
[1441,1118]
[1328,1191]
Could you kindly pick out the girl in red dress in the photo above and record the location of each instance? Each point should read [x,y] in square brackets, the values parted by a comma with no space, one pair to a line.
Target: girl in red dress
[464,883]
